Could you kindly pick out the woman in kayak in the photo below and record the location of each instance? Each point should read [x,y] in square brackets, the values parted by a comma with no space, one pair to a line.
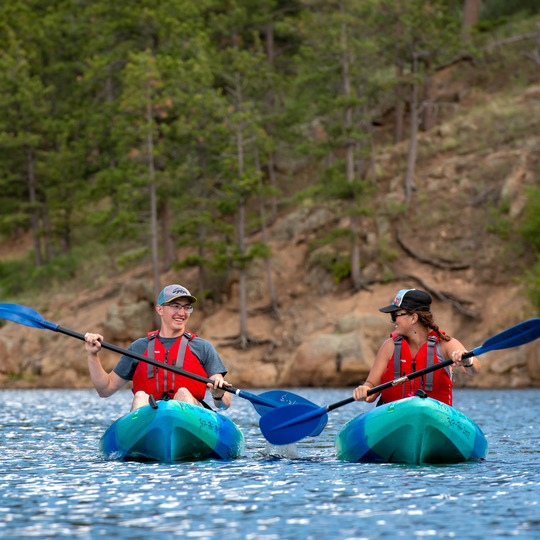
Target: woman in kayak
[416,343]
[172,345]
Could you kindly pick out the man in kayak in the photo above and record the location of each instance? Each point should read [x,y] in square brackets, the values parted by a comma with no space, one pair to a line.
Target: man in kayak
[173,345]
[416,343]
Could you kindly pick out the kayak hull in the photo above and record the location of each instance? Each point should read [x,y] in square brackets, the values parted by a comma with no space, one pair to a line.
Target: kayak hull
[412,430]
[174,431]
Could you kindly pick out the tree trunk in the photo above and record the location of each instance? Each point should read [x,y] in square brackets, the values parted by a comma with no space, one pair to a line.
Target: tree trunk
[273,182]
[471,10]
[271,288]
[413,136]
[201,230]
[47,240]
[202,273]
[153,199]
[401,87]
[241,223]
[349,157]
[429,98]
[167,241]
[34,216]
[537,41]
[356,276]
[348,113]
[242,280]
[270,47]
[400,105]
[270,104]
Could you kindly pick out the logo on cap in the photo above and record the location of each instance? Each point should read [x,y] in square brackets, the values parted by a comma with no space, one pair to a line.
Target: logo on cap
[399,296]
[180,290]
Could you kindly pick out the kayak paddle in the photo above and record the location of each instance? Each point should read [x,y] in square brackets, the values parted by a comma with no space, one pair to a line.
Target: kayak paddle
[262,403]
[292,423]
[281,399]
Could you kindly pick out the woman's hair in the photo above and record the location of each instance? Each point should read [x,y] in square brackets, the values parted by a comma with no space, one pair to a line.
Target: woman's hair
[426,318]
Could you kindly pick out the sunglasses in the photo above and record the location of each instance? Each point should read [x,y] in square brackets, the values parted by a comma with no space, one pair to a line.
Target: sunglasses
[396,315]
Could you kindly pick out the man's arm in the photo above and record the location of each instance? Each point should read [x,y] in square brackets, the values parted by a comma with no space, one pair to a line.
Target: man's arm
[106,384]
[222,399]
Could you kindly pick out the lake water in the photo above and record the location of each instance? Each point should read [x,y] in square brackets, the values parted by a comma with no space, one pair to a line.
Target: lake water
[53,484]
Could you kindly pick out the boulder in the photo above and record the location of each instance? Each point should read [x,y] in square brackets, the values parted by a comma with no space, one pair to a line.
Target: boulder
[507,360]
[10,354]
[329,360]
[129,321]
[532,355]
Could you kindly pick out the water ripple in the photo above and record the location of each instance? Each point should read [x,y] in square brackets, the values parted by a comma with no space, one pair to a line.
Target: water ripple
[53,484]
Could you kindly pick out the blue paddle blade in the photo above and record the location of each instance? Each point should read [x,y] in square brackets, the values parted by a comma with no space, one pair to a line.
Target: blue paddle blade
[25,315]
[286,425]
[279,398]
[519,334]
[259,402]
[282,398]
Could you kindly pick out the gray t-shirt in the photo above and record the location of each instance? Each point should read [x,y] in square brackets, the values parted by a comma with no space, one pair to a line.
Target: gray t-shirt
[202,349]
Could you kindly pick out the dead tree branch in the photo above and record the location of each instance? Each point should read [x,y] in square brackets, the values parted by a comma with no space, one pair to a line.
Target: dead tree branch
[508,40]
[437,264]
[447,297]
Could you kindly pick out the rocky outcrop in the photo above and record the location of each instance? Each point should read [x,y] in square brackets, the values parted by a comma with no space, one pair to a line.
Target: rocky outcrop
[335,354]
[326,335]
[342,358]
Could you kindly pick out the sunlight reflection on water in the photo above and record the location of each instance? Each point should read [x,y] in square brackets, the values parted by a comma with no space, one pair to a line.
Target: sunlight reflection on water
[53,484]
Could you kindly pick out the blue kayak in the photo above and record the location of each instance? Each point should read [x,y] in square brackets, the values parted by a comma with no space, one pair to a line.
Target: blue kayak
[174,431]
[412,430]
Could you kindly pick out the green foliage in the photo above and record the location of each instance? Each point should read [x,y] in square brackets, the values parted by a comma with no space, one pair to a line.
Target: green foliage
[529,230]
[337,263]
[132,257]
[387,275]
[12,274]
[17,276]
[102,102]
[498,9]
[331,253]
[260,250]
[332,238]
[192,261]
[340,268]
[336,185]
[531,281]
[386,253]
[498,221]
[530,226]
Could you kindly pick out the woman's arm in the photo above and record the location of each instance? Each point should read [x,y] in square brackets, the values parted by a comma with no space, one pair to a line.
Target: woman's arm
[454,349]
[375,375]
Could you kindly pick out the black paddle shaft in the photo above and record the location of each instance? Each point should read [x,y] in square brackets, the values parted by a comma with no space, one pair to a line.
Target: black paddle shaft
[401,380]
[151,361]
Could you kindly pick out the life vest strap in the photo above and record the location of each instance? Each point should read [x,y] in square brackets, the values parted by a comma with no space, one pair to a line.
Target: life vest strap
[433,348]
[397,357]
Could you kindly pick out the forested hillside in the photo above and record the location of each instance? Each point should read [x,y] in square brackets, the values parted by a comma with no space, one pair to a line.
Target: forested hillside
[262,152]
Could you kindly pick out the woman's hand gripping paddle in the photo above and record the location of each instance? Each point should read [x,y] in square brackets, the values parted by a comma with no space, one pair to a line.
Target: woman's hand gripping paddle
[263,403]
[290,424]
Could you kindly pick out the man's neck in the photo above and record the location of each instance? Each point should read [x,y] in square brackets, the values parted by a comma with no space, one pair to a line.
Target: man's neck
[164,333]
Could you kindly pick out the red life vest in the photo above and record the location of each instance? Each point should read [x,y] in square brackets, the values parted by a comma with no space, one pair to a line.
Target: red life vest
[437,384]
[159,382]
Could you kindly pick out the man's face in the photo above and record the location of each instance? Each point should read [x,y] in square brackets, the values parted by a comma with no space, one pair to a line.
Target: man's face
[175,314]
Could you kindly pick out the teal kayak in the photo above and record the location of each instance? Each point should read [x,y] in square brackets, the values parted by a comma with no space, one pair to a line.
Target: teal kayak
[174,431]
[412,430]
